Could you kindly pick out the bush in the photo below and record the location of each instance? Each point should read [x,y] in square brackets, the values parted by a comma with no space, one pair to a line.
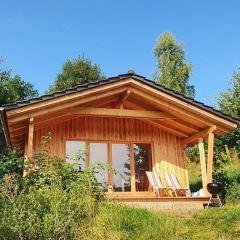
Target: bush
[11,162]
[229,176]
[53,201]
[47,213]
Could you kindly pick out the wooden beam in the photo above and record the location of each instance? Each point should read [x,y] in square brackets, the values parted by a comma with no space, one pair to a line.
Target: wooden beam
[185,114]
[203,134]
[18,115]
[30,139]
[184,106]
[123,113]
[210,156]
[167,129]
[174,122]
[203,165]
[123,98]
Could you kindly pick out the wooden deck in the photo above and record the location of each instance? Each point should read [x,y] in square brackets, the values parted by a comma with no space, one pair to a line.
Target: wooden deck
[152,202]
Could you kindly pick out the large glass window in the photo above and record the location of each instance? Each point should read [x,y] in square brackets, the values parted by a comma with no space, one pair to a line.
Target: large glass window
[142,163]
[99,158]
[121,163]
[76,154]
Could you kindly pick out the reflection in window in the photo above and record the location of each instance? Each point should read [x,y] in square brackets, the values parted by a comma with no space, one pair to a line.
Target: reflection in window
[76,154]
[142,162]
[121,163]
[98,154]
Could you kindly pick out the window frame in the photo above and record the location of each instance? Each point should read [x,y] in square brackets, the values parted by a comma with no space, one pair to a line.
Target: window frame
[109,159]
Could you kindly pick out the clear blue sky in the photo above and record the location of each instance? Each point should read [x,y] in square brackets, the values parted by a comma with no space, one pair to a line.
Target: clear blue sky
[37,36]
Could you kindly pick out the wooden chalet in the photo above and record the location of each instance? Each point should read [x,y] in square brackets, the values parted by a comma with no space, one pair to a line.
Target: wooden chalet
[129,122]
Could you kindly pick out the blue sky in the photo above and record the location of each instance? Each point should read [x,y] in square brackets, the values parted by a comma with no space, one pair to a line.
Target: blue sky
[36,37]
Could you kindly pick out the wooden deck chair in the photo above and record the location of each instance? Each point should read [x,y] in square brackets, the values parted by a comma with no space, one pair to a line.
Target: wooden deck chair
[157,185]
[176,186]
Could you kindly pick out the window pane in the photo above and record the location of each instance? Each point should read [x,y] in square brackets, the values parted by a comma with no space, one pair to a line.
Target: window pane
[76,154]
[121,163]
[98,154]
[142,162]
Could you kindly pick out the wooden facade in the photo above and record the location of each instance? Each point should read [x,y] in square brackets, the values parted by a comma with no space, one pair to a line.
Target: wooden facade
[126,109]
[167,154]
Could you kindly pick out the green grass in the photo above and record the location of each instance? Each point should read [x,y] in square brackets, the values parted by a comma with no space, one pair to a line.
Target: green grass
[119,222]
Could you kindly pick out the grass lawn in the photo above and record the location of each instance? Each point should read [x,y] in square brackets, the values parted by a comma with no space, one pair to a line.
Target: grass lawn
[119,222]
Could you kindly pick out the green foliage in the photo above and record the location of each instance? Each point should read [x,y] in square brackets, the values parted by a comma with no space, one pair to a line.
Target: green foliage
[76,72]
[229,100]
[47,213]
[116,222]
[233,194]
[11,162]
[172,71]
[13,88]
[229,176]
[229,103]
[53,201]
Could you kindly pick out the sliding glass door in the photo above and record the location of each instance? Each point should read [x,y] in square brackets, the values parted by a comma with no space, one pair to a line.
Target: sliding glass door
[128,163]
[121,167]
[142,163]
[99,158]
[76,154]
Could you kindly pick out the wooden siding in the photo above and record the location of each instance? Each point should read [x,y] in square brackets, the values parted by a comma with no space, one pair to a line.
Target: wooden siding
[168,157]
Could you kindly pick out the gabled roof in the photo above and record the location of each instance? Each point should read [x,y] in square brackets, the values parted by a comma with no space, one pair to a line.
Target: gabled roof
[121,77]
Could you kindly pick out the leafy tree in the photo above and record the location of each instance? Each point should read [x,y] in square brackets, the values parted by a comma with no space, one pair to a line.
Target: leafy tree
[76,72]
[11,162]
[12,89]
[229,101]
[172,72]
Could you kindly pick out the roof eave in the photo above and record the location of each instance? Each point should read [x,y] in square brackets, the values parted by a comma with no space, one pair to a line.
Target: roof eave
[3,119]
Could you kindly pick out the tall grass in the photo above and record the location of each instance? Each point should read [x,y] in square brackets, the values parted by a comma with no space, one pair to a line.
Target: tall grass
[115,222]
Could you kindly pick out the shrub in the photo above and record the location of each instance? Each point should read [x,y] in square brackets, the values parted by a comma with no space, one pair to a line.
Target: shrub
[229,176]
[53,201]
[11,162]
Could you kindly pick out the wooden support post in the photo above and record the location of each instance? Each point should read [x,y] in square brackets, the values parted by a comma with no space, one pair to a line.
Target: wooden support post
[110,173]
[25,157]
[133,185]
[210,156]
[87,155]
[30,139]
[203,165]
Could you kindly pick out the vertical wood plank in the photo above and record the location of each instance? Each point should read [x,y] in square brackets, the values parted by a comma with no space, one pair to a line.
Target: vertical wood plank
[30,138]
[166,149]
[87,155]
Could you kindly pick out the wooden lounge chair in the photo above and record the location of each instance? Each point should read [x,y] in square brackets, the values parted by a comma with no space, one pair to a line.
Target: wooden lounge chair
[176,186]
[157,185]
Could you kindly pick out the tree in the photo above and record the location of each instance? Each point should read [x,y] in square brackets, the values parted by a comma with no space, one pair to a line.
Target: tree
[229,100]
[172,72]
[229,103]
[76,72]
[12,89]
